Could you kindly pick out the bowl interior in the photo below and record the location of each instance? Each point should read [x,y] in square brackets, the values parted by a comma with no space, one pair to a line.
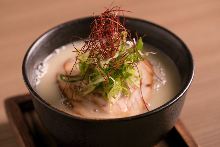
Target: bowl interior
[152,34]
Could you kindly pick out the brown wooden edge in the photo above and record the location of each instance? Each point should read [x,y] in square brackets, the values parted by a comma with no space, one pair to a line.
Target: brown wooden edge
[17,121]
[184,133]
[24,136]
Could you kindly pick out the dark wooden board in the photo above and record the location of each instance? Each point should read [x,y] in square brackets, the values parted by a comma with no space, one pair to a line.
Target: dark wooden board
[30,132]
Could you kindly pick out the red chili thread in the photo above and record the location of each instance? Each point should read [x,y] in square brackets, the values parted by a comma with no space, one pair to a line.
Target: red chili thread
[104,40]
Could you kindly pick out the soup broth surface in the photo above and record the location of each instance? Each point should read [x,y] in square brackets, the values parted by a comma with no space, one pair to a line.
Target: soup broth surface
[166,81]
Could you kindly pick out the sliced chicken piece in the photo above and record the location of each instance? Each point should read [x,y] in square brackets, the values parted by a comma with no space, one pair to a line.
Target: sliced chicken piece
[138,101]
[94,106]
[70,68]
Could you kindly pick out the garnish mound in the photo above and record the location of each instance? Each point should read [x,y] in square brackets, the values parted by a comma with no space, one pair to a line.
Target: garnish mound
[108,63]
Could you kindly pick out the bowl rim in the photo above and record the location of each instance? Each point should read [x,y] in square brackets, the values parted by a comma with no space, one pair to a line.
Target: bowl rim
[181,92]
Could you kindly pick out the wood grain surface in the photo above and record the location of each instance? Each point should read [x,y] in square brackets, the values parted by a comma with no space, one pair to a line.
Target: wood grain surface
[197,22]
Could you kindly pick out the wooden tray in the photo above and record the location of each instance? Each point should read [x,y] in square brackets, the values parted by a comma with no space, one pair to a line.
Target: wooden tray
[31,133]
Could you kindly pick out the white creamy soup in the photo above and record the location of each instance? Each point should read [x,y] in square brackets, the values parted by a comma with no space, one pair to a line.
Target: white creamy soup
[165,85]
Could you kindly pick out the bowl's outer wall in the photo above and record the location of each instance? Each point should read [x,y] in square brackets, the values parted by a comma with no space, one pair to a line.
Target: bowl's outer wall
[141,132]
[135,131]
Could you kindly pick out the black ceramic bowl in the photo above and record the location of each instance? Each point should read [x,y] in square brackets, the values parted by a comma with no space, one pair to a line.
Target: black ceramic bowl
[135,131]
